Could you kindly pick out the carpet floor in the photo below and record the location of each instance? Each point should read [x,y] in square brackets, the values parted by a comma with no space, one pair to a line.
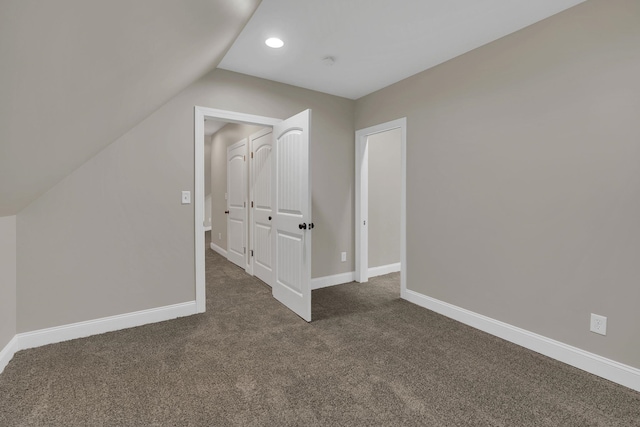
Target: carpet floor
[367,359]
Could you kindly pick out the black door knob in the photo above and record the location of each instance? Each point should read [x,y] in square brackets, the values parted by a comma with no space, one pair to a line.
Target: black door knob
[302,226]
[226,212]
[269,218]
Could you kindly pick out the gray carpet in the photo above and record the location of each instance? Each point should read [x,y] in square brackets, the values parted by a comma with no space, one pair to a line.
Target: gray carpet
[368,358]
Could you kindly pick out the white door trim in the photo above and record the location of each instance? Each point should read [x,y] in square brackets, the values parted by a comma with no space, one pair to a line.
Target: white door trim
[362,199]
[200,113]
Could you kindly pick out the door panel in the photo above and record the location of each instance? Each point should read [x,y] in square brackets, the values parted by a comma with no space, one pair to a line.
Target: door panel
[236,203]
[262,214]
[292,208]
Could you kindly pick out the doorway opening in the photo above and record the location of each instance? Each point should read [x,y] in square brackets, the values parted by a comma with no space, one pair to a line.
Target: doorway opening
[279,216]
[387,235]
[201,115]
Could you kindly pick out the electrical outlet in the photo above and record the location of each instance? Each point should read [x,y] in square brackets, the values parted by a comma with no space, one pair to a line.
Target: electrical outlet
[598,324]
[186,197]
[343,256]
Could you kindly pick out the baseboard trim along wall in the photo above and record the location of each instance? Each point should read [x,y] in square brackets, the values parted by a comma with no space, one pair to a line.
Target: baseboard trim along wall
[93,327]
[6,354]
[336,279]
[611,370]
[218,249]
[384,269]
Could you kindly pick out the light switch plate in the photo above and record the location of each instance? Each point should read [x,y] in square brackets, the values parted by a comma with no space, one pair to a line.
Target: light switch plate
[186,197]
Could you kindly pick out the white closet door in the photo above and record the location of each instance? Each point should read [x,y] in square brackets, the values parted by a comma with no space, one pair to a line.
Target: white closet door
[261,205]
[236,203]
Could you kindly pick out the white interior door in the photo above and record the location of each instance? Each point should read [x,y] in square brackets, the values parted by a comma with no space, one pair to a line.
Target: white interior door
[237,203]
[292,214]
[261,200]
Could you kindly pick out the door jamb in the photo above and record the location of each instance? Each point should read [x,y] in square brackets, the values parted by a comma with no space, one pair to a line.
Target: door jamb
[362,199]
[200,113]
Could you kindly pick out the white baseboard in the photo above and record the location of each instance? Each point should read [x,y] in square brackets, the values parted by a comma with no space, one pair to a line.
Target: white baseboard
[384,269]
[72,331]
[611,370]
[218,249]
[336,279]
[6,354]
[105,324]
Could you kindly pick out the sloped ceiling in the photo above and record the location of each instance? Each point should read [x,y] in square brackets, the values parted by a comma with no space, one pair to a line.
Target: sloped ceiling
[77,74]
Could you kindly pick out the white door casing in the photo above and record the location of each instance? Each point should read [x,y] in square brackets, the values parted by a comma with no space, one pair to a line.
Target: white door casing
[260,145]
[292,214]
[236,203]
[199,116]
[362,200]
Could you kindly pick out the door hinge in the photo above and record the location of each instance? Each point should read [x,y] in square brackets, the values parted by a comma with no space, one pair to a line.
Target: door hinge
[244,158]
[252,203]
[244,249]
[252,252]
[252,154]
[245,204]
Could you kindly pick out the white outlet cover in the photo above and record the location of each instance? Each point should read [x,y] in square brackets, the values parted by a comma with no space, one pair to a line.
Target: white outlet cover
[598,324]
[186,197]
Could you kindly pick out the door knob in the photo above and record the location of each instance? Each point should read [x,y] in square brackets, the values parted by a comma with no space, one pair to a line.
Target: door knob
[269,218]
[226,212]
[302,226]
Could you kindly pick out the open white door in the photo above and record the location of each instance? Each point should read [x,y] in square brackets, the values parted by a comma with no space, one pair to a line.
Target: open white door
[236,203]
[260,144]
[292,214]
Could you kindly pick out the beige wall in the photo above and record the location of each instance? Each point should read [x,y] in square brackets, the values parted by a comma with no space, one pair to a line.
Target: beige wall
[207,165]
[207,181]
[385,187]
[225,137]
[522,167]
[7,279]
[113,238]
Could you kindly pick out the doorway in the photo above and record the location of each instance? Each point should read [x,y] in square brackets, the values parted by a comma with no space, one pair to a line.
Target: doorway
[364,139]
[291,203]
[202,113]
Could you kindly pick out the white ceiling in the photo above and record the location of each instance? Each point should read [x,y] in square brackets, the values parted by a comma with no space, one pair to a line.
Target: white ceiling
[374,42]
[77,74]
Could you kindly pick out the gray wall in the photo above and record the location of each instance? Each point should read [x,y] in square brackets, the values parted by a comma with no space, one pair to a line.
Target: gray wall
[522,166]
[207,165]
[7,279]
[207,180]
[225,137]
[385,186]
[112,237]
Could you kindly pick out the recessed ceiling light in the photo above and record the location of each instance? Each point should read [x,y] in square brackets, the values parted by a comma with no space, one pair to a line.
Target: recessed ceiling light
[274,42]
